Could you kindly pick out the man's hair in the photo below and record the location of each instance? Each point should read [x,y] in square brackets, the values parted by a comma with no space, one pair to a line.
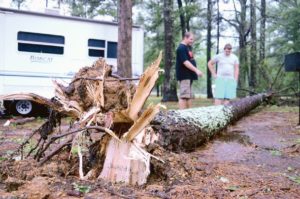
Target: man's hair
[187,34]
[228,46]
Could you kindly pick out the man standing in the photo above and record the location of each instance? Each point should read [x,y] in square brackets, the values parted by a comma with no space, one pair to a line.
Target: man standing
[186,70]
[227,76]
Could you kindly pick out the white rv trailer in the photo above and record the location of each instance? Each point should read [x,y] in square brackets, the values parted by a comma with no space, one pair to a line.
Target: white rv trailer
[38,47]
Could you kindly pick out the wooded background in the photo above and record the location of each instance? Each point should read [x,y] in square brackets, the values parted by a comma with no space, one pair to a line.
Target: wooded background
[261,31]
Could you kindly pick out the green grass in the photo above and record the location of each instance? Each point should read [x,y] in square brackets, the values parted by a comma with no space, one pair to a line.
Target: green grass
[275,153]
[81,188]
[197,102]
[286,109]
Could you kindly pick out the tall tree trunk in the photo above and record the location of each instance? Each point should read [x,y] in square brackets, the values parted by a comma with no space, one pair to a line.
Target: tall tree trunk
[169,85]
[208,46]
[242,43]
[218,29]
[125,38]
[181,17]
[188,16]
[253,52]
[262,30]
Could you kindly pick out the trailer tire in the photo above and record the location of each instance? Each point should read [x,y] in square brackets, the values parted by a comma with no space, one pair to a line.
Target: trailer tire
[24,107]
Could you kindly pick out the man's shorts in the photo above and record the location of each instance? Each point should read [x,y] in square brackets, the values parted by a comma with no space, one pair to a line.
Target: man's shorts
[185,89]
[225,88]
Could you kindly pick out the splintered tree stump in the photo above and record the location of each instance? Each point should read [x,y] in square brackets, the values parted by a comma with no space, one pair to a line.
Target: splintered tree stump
[100,103]
[114,135]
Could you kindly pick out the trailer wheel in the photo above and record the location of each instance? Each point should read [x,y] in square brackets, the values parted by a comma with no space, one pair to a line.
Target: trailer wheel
[24,107]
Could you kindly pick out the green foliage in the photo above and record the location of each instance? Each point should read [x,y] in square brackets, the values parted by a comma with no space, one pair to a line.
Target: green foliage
[81,188]
[153,25]
[283,109]
[92,8]
[295,179]
[2,159]
[74,150]
[29,146]
[275,153]
[233,188]
[284,38]
[286,28]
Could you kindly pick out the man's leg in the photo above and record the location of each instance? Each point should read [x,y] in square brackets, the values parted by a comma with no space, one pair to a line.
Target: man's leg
[225,102]
[230,90]
[189,103]
[218,102]
[182,103]
[219,91]
[185,94]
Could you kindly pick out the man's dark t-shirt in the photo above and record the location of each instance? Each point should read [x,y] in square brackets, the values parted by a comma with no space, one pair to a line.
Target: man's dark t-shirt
[183,53]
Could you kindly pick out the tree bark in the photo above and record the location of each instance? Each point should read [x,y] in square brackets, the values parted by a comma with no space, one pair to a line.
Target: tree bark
[169,85]
[181,17]
[253,63]
[185,130]
[262,30]
[242,43]
[208,47]
[124,38]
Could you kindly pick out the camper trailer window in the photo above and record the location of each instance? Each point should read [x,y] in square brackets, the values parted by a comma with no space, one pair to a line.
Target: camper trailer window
[96,53]
[96,48]
[40,43]
[40,48]
[96,43]
[28,36]
[112,48]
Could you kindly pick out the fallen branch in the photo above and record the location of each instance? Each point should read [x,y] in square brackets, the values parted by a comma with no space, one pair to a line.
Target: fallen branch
[57,150]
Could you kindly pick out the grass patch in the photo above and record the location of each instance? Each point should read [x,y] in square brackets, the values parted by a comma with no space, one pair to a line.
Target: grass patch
[197,102]
[286,109]
[81,188]
[275,153]
[295,179]
[34,124]
[2,159]
[29,146]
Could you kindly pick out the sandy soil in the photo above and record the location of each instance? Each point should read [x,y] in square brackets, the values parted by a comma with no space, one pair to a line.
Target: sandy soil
[258,157]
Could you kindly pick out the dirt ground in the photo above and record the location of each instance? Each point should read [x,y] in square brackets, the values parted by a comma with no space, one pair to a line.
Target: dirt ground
[258,157]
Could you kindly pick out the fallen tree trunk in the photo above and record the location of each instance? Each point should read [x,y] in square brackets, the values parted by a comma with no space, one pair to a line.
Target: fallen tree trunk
[184,130]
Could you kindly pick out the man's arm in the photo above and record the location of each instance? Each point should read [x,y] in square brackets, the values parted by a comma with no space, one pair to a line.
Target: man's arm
[190,66]
[211,67]
[236,71]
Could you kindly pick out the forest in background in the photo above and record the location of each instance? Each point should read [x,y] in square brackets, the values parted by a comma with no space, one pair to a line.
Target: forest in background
[262,33]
